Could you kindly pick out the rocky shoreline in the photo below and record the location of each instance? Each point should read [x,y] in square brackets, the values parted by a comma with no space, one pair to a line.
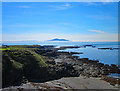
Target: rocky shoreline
[62,64]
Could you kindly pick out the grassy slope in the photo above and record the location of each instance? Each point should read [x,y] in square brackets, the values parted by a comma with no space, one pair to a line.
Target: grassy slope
[17,52]
[19,62]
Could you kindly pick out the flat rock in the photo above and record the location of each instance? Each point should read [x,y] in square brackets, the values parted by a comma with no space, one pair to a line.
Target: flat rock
[66,83]
[88,83]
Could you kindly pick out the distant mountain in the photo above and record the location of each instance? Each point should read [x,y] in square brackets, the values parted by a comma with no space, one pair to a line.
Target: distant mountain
[58,39]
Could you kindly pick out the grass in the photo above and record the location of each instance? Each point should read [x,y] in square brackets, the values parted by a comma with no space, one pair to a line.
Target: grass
[4,49]
[16,64]
[10,48]
[16,48]
[40,59]
[20,51]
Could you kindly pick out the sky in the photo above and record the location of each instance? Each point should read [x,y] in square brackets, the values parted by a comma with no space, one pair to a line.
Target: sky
[75,21]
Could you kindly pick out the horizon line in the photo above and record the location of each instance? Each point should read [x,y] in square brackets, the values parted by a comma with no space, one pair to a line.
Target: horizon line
[61,41]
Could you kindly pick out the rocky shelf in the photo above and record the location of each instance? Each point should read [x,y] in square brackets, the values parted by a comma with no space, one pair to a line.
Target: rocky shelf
[65,47]
[108,48]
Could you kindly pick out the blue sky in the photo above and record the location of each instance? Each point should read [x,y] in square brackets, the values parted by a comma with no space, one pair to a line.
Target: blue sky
[42,21]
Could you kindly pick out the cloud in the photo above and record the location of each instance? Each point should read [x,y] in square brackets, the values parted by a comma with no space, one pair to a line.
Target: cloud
[72,37]
[95,37]
[62,7]
[66,5]
[102,2]
[109,0]
[18,6]
[92,3]
[23,6]
[38,27]
[97,31]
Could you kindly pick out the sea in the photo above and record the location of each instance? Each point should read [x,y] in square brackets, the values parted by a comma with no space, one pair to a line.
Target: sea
[93,53]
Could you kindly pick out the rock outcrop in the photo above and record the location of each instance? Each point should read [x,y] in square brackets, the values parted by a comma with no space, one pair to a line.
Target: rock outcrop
[44,63]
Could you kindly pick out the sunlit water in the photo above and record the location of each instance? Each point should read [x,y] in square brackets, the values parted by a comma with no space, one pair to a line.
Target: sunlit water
[104,56]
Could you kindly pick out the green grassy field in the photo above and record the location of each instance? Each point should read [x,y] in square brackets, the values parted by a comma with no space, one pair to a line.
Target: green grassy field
[15,47]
